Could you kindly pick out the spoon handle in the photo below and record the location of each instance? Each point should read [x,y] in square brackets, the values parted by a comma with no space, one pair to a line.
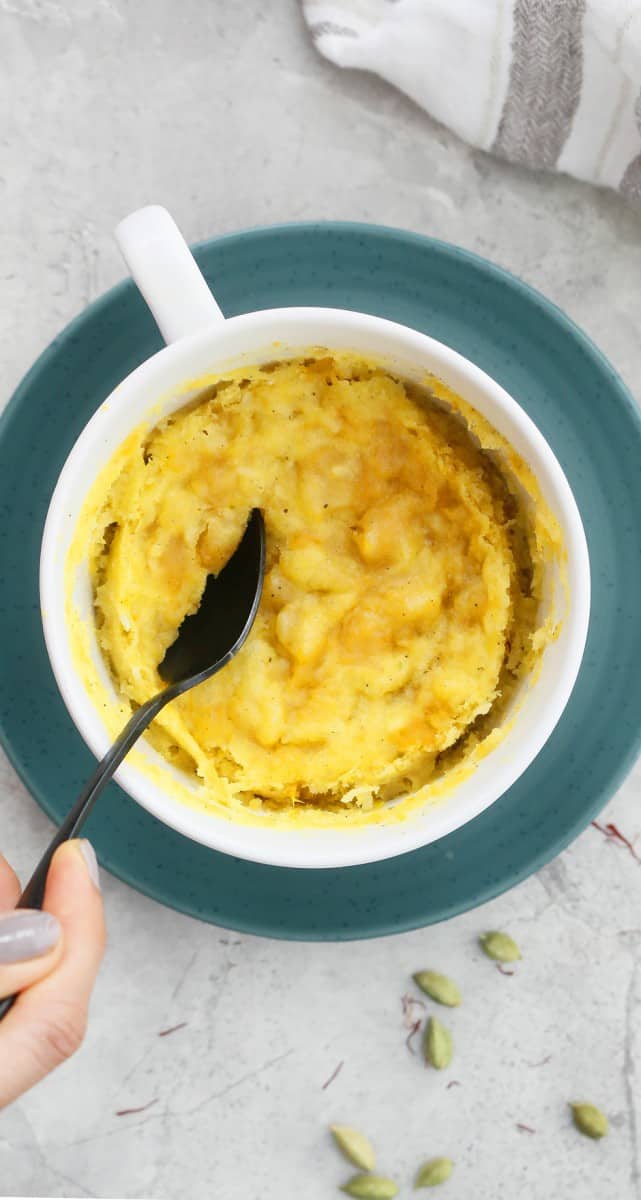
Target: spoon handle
[33,893]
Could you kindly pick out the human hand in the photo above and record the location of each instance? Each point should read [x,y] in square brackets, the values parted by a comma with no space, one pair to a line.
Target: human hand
[51,959]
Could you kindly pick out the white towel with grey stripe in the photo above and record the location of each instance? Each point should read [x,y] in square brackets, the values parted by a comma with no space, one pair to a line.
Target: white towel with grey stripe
[554,84]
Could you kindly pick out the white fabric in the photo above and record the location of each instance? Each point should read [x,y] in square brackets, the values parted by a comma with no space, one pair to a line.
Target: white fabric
[551,83]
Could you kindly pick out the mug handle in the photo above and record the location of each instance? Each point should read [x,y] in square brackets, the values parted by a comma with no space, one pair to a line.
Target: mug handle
[166,273]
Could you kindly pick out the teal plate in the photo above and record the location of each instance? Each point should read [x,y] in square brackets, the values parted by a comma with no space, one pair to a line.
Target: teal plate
[583,410]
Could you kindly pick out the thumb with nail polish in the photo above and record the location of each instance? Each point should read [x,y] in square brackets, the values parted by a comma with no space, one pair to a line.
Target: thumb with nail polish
[30,947]
[50,959]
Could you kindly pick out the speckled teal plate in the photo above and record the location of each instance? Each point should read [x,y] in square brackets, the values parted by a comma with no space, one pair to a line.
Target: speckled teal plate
[583,410]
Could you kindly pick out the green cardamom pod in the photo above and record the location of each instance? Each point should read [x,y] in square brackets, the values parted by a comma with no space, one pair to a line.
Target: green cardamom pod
[589,1119]
[370,1187]
[439,988]
[355,1146]
[439,1047]
[433,1172]
[499,946]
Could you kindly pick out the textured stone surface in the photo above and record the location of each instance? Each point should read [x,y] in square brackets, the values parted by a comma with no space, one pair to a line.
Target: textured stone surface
[222,112]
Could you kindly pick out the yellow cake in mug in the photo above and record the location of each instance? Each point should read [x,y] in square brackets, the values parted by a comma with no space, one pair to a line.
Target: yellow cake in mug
[406,548]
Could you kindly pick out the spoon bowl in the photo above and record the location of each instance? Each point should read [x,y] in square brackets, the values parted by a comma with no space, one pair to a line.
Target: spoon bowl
[210,637]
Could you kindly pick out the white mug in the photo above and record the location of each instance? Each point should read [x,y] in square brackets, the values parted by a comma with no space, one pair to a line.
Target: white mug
[199,342]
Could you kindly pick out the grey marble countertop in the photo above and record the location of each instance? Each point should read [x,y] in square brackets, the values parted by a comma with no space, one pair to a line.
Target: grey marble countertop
[223,112]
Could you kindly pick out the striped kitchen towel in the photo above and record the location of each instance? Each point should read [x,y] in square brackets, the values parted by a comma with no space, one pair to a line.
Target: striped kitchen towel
[554,84]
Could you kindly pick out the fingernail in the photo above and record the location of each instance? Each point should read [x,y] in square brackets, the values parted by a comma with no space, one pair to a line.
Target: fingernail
[26,934]
[91,862]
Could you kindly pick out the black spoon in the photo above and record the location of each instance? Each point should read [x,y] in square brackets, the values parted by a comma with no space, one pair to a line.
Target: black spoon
[205,643]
